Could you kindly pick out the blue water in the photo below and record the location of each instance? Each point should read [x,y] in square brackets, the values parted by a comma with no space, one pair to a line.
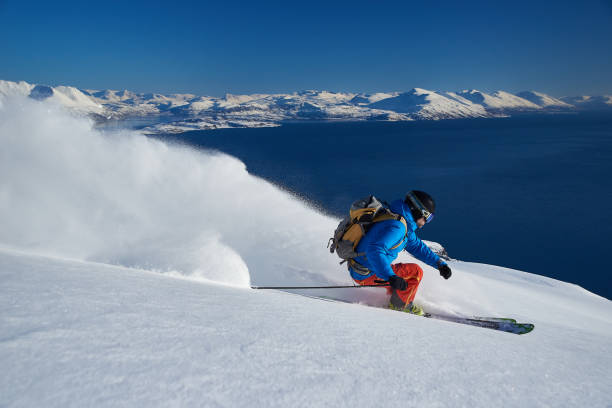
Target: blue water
[531,193]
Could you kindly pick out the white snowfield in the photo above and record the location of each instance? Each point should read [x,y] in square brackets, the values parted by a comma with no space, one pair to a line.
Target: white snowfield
[83,334]
[125,266]
[182,112]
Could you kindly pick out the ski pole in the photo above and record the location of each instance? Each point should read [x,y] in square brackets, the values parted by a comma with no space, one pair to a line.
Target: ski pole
[320,287]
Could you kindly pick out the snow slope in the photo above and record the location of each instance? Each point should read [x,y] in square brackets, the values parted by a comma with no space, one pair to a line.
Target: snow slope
[125,264]
[84,334]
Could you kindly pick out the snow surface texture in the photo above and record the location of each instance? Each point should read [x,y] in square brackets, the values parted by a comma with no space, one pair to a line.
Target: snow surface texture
[78,331]
[182,112]
[80,334]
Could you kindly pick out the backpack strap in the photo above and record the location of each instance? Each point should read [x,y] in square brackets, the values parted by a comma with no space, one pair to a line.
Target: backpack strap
[403,221]
[393,216]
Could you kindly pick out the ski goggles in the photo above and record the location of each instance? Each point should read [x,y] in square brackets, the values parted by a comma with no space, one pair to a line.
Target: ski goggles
[419,205]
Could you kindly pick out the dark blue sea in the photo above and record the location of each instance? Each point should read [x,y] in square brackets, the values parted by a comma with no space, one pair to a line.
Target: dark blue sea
[531,193]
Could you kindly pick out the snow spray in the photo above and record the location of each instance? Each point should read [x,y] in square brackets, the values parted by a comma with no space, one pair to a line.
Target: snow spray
[68,189]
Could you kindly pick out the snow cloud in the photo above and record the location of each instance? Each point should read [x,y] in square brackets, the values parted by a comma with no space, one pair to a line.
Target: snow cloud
[70,190]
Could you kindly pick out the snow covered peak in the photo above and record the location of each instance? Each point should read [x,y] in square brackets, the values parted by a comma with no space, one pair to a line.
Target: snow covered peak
[366,99]
[238,99]
[420,91]
[474,96]
[425,104]
[73,98]
[498,101]
[601,102]
[41,92]
[325,97]
[543,100]
[406,102]
[109,95]
[66,96]
[9,88]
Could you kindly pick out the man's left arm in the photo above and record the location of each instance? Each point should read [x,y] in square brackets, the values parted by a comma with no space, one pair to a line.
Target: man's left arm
[420,251]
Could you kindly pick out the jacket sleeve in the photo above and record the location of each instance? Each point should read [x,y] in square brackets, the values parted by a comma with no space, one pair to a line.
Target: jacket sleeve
[420,251]
[384,236]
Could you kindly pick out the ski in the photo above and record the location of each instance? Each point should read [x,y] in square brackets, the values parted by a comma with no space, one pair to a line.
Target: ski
[504,324]
[501,319]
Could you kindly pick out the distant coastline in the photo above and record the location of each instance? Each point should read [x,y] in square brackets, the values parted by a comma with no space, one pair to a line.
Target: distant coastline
[178,113]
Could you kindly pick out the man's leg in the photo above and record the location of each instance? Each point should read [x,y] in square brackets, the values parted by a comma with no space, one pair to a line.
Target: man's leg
[412,274]
[371,280]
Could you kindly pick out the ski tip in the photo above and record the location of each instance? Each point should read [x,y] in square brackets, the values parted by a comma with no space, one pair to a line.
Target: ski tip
[525,327]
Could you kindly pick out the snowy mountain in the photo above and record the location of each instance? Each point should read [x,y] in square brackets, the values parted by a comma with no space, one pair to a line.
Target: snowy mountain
[8,88]
[67,96]
[543,100]
[366,99]
[602,102]
[181,112]
[425,104]
[126,267]
[499,101]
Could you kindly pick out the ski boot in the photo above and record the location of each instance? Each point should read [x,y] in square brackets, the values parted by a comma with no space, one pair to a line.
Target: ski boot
[414,309]
[395,303]
[409,308]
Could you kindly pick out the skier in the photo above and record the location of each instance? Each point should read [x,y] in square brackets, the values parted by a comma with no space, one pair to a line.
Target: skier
[386,239]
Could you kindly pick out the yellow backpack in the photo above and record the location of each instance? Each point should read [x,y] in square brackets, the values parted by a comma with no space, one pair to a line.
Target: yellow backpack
[362,215]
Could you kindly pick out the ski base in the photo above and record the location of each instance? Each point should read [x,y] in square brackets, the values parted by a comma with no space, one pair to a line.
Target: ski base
[496,323]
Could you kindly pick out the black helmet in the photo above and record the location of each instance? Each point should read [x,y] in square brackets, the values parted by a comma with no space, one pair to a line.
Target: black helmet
[421,205]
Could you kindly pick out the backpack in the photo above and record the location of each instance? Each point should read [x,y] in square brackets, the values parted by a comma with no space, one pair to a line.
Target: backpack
[362,215]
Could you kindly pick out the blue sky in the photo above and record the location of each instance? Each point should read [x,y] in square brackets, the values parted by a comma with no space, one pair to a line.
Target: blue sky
[210,48]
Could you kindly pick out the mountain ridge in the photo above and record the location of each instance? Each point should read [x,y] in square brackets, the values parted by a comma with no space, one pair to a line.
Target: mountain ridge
[175,113]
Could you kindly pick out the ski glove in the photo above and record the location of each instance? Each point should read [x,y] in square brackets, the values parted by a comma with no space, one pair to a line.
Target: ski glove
[445,271]
[397,283]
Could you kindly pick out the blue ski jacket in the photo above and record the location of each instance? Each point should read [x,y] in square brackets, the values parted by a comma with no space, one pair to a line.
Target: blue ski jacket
[382,236]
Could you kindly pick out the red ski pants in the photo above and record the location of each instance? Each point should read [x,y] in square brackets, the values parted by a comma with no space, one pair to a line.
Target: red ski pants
[411,273]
